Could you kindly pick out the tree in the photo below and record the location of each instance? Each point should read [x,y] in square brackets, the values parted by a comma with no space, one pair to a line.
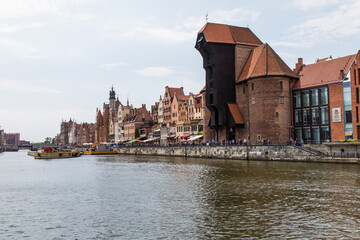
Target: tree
[49,140]
[137,133]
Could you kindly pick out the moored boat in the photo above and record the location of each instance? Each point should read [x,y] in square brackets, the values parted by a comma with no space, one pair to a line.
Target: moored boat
[100,150]
[49,153]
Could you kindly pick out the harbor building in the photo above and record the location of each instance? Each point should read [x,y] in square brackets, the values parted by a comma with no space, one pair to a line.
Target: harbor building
[248,86]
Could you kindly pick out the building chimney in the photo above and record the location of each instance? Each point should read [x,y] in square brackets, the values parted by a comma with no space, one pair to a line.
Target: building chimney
[298,66]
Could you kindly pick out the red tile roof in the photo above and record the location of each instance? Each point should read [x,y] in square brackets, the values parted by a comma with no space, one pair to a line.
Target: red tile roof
[235,112]
[183,97]
[178,91]
[220,33]
[263,61]
[324,72]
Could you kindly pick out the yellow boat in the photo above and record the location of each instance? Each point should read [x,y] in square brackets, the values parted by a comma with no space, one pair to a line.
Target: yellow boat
[100,150]
[53,155]
[50,153]
[94,152]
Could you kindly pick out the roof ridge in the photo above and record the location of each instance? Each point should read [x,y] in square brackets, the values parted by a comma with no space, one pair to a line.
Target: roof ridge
[278,59]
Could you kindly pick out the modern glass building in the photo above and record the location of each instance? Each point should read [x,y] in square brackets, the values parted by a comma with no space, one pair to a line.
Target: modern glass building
[322,100]
[311,115]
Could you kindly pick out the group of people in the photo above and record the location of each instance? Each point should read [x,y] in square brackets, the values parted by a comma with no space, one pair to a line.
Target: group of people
[296,142]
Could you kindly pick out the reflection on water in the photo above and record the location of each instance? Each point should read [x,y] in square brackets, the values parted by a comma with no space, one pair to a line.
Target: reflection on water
[132,197]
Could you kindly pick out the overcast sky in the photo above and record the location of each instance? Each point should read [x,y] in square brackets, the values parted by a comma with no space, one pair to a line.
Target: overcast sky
[59,58]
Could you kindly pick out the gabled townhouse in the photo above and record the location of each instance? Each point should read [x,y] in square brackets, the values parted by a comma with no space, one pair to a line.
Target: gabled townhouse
[155,112]
[167,102]
[123,111]
[139,120]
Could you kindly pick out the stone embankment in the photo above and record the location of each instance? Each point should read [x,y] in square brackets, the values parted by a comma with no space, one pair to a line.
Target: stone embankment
[267,153]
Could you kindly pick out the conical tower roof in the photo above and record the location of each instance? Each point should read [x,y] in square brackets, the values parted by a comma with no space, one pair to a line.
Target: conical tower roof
[263,61]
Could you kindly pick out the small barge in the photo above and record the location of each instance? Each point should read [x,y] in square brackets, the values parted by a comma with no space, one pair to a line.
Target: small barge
[100,150]
[49,153]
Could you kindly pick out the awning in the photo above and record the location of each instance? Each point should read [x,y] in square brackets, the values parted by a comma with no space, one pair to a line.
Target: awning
[135,140]
[172,136]
[193,138]
[185,136]
[235,113]
[151,139]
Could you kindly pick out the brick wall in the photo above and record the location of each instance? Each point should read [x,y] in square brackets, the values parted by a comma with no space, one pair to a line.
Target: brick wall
[355,102]
[336,101]
[269,110]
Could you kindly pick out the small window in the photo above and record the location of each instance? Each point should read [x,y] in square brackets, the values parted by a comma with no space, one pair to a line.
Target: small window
[281,85]
[252,86]
[259,137]
[281,100]
[243,90]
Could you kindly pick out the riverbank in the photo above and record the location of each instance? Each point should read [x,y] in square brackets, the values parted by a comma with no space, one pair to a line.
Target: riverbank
[264,153]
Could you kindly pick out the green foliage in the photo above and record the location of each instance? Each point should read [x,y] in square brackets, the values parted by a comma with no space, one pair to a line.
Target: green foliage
[200,133]
[49,140]
[137,132]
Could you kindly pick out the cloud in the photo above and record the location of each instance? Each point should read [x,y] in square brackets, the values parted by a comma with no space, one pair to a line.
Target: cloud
[155,71]
[342,22]
[109,66]
[18,49]
[311,4]
[237,16]
[16,86]
[6,28]
[25,8]
[183,32]
[332,26]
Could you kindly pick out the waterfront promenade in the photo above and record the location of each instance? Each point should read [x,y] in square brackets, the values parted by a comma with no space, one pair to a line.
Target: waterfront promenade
[315,153]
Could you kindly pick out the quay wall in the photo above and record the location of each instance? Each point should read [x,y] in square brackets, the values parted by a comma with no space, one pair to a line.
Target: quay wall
[265,153]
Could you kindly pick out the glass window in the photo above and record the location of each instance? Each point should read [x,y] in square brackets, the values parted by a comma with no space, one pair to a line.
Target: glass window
[323,96]
[347,93]
[316,135]
[325,134]
[281,100]
[348,117]
[315,116]
[314,97]
[297,100]
[297,117]
[307,135]
[324,111]
[306,116]
[305,98]
[298,133]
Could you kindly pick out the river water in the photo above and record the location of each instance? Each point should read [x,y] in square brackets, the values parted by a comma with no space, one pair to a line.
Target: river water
[146,197]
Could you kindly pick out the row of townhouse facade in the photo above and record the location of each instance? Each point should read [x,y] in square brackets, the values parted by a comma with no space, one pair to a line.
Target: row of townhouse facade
[72,133]
[173,119]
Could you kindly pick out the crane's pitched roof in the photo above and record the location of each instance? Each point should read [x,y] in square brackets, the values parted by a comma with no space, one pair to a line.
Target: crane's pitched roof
[221,33]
